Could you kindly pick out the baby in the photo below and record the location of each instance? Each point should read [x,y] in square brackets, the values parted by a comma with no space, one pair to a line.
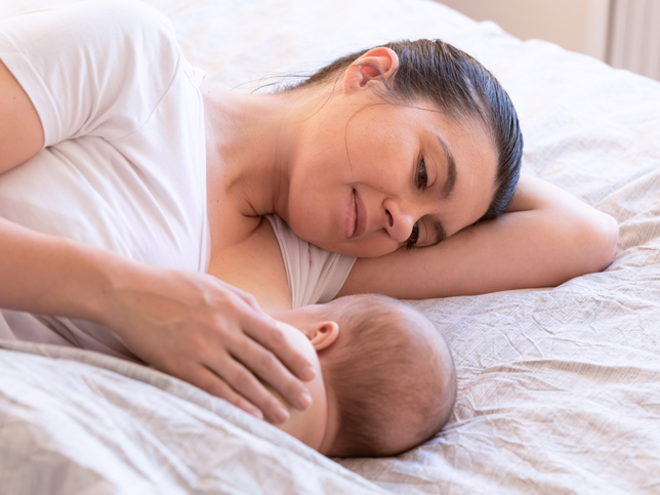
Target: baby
[385,379]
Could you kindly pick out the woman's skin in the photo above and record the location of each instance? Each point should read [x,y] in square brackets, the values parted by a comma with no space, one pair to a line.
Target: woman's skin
[311,163]
[349,173]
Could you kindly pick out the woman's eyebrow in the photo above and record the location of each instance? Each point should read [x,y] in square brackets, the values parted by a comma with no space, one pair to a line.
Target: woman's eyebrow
[451,170]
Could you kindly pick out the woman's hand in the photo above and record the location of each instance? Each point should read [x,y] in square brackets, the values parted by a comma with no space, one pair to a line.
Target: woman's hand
[188,324]
[210,334]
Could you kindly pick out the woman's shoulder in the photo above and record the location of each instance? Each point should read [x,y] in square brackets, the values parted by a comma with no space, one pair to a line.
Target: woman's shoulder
[104,25]
[140,16]
[93,33]
[135,24]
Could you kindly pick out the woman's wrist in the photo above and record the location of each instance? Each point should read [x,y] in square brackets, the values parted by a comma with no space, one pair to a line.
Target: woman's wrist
[61,277]
[80,280]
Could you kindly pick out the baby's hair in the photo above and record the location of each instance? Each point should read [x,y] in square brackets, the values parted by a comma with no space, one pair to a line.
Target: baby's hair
[389,367]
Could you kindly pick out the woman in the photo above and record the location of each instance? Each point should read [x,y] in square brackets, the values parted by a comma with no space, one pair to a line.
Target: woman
[124,176]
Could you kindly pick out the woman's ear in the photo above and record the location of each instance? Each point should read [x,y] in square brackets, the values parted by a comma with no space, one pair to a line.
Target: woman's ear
[375,65]
[324,335]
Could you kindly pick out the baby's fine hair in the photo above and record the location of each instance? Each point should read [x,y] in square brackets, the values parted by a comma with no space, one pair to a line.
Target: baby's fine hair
[392,376]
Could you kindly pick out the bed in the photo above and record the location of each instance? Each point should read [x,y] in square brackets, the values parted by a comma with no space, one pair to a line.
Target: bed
[559,388]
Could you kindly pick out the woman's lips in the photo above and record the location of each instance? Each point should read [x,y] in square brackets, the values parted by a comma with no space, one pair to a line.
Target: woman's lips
[360,216]
[355,223]
[350,222]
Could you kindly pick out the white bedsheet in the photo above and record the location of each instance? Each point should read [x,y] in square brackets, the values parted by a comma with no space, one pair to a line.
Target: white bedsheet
[559,389]
[74,421]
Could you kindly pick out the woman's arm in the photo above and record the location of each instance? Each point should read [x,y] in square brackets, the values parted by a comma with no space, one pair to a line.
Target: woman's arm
[545,238]
[188,324]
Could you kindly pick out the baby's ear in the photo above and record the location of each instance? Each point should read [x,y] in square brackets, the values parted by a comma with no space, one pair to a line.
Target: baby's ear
[325,334]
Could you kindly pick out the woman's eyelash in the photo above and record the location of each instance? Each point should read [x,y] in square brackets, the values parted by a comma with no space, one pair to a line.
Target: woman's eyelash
[421,178]
[421,181]
[414,237]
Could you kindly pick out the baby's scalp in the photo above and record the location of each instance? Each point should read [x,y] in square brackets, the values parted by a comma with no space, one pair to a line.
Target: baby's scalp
[391,373]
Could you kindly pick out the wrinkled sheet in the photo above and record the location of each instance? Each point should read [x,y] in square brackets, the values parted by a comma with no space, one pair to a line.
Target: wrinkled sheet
[559,388]
[75,421]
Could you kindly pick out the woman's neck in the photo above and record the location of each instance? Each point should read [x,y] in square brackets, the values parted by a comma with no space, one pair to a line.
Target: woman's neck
[251,141]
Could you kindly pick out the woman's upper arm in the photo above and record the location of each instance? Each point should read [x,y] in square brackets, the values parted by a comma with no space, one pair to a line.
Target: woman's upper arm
[545,238]
[96,68]
[21,132]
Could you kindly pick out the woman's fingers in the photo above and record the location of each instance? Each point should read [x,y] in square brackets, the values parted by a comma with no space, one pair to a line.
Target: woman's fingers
[246,296]
[212,335]
[265,365]
[247,345]
[245,390]
[263,330]
[208,381]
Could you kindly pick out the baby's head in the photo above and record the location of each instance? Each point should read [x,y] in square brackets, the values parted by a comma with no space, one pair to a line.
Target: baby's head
[385,377]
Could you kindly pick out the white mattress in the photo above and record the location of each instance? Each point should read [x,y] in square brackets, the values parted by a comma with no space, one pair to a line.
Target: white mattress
[559,388]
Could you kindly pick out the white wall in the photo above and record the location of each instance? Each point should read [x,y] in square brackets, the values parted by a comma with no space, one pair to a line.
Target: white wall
[577,25]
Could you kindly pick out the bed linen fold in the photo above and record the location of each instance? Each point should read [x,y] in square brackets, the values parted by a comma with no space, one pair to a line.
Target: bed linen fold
[76,421]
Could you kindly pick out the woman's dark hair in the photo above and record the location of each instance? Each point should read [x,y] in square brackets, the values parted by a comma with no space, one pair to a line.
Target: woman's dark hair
[461,87]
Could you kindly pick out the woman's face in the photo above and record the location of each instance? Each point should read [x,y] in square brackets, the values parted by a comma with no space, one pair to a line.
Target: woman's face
[370,177]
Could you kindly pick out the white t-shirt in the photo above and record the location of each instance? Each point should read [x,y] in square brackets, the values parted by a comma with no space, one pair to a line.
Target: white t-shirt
[124,162]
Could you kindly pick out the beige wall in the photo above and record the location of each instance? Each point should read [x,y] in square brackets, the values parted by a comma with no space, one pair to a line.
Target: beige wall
[577,25]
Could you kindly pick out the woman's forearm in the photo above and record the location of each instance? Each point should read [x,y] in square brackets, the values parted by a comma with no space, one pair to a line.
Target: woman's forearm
[52,275]
[545,238]
[188,324]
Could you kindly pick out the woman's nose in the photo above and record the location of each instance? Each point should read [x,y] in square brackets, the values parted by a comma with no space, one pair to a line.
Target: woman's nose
[399,221]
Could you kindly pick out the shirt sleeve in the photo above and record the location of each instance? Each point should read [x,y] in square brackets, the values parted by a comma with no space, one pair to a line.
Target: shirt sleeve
[94,68]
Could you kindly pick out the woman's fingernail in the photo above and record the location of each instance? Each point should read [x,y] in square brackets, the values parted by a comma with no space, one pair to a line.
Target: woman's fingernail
[304,400]
[281,415]
[308,373]
[257,413]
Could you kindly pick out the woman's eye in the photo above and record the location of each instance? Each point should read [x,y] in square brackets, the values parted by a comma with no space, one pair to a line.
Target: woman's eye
[422,179]
[414,236]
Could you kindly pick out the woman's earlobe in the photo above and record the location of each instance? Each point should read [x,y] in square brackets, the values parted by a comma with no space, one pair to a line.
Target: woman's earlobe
[325,334]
